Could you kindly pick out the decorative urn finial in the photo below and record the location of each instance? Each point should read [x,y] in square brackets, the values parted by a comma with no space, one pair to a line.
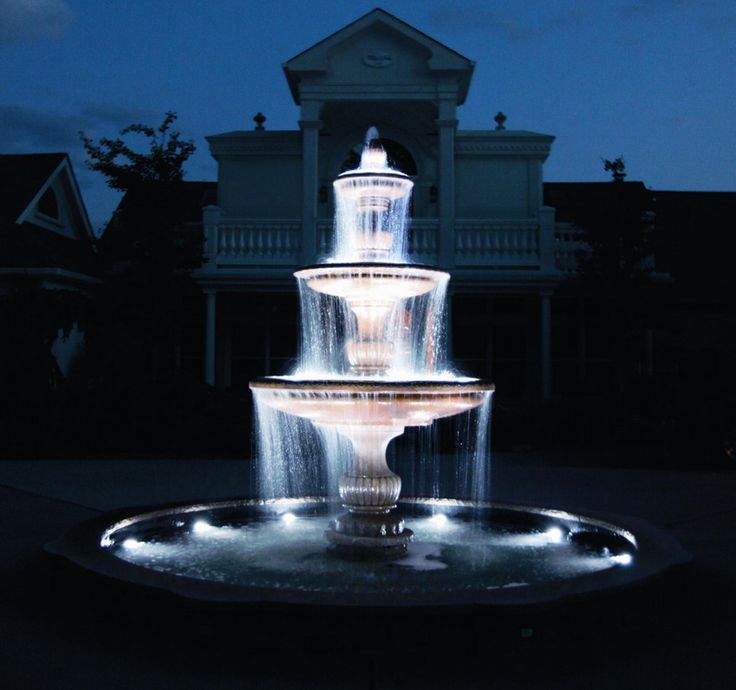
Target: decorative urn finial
[259,119]
[500,119]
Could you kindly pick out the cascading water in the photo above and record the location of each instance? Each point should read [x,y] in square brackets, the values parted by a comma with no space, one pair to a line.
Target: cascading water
[371,365]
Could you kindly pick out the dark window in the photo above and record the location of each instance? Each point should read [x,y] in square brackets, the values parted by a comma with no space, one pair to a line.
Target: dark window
[48,205]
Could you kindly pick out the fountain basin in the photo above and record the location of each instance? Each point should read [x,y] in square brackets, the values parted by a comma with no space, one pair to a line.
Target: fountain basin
[372,281]
[261,551]
[364,402]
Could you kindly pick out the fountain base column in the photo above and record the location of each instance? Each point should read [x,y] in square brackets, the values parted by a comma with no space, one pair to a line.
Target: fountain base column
[370,491]
[368,536]
[373,493]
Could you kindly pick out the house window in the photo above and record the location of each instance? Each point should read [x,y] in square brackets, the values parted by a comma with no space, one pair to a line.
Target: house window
[48,204]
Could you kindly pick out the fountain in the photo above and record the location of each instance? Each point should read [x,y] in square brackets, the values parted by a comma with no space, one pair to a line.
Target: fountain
[380,394]
[371,372]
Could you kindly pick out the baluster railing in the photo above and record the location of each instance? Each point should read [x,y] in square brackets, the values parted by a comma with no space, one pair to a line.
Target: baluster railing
[506,244]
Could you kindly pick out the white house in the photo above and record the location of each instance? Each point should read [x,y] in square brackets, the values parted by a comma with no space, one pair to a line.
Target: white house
[478,206]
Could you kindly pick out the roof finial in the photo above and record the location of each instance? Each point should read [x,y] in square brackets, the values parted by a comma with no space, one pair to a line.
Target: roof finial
[500,119]
[617,168]
[259,119]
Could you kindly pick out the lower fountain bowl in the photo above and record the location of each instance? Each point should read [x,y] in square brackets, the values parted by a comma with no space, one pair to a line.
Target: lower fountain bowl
[463,554]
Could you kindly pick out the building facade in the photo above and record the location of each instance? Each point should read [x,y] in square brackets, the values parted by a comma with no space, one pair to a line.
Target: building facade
[478,208]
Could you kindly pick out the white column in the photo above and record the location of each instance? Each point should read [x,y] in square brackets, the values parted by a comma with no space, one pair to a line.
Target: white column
[310,125]
[545,340]
[446,123]
[210,217]
[209,342]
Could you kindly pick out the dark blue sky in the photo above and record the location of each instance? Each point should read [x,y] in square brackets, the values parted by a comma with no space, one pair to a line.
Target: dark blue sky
[654,81]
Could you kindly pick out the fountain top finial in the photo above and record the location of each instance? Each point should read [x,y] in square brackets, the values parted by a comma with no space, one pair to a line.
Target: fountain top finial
[371,135]
[373,156]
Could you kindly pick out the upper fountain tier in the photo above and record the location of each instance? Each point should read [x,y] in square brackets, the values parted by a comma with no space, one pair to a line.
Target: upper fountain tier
[371,209]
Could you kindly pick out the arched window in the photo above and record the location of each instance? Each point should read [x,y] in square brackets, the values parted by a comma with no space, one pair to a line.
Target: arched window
[398,156]
[48,204]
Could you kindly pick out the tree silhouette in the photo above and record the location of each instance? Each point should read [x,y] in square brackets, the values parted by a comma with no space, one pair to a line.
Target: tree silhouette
[147,257]
[615,277]
[126,169]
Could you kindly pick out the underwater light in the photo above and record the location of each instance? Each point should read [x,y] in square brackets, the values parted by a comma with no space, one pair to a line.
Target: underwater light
[439,520]
[202,527]
[288,519]
[554,535]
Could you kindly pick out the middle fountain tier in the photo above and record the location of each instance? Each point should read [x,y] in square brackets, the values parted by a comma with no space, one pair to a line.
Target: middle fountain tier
[372,352]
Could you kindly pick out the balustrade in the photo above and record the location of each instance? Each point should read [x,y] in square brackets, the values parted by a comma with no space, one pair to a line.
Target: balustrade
[257,242]
[506,244]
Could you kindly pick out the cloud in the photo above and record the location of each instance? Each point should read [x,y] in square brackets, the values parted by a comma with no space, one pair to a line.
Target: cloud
[33,20]
[27,129]
[513,27]
[482,18]
[118,114]
[716,15]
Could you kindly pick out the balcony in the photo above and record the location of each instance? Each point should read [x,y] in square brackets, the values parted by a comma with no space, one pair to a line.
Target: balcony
[503,247]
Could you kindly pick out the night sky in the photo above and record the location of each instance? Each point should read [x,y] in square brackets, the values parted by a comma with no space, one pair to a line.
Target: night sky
[654,81]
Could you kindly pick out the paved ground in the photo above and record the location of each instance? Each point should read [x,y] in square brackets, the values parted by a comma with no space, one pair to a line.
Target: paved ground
[61,629]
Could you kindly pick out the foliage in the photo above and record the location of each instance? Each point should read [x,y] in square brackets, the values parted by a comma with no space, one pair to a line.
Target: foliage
[620,264]
[148,261]
[126,169]
[614,280]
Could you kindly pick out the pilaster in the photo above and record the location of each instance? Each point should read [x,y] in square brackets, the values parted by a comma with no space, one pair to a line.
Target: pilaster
[310,125]
[446,125]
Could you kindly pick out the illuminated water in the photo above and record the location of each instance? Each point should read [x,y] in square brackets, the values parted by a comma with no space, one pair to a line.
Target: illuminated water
[368,316]
[282,547]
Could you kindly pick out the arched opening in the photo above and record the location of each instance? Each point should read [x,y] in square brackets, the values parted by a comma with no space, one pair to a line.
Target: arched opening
[398,155]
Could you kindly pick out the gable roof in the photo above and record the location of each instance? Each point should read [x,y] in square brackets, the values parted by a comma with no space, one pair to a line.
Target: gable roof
[25,245]
[21,178]
[314,59]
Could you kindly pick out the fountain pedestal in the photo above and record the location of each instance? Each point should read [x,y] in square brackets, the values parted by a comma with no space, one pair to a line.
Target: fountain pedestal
[369,492]
[369,536]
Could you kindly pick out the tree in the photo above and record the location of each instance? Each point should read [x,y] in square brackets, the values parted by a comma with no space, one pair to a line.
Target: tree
[615,277]
[163,164]
[148,259]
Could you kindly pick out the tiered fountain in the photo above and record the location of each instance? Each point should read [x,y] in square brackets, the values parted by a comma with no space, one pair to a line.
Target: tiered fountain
[375,369]
[371,369]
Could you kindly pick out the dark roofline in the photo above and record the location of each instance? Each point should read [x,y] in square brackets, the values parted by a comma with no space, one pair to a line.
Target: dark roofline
[602,183]
[388,14]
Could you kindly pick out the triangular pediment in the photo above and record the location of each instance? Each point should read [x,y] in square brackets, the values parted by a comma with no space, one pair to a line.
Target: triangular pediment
[374,47]
[57,205]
